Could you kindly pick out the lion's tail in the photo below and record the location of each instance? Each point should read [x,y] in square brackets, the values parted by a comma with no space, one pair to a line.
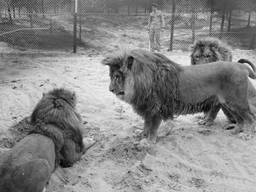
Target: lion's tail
[252,74]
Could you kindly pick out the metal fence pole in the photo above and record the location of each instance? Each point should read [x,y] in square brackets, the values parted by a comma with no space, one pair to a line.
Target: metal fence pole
[75,28]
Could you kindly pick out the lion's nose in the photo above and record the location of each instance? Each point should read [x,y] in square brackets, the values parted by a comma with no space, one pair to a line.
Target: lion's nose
[111,89]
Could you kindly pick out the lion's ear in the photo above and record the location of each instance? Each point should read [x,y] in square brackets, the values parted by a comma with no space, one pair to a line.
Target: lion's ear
[107,61]
[192,47]
[130,60]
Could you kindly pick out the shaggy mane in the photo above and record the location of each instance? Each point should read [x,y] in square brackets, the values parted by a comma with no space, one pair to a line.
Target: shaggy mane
[155,81]
[221,50]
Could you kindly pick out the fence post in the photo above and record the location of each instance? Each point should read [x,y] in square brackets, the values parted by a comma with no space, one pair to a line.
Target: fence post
[80,28]
[31,20]
[51,25]
[75,28]
[252,42]
[172,25]
[193,23]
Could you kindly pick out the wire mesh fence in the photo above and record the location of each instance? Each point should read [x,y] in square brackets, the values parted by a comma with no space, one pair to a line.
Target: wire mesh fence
[36,24]
[49,24]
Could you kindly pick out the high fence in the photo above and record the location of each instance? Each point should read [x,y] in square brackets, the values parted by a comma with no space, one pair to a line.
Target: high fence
[55,24]
[34,24]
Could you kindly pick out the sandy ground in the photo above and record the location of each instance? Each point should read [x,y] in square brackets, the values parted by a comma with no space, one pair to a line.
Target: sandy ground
[191,158]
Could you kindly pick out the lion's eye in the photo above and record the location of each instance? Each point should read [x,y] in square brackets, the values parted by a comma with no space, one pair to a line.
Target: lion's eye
[116,77]
[208,56]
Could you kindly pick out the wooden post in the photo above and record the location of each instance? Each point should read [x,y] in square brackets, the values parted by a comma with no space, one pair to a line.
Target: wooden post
[31,19]
[80,28]
[211,17]
[193,22]
[249,20]
[51,25]
[222,21]
[252,42]
[172,25]
[229,20]
[42,7]
[75,28]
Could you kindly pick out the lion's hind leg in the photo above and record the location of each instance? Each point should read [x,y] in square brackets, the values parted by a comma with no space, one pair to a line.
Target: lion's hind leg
[242,115]
[31,176]
[210,116]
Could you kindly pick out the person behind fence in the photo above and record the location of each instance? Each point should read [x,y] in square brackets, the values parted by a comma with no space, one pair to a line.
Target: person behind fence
[155,24]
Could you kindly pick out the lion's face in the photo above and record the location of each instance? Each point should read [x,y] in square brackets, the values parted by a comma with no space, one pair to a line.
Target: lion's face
[121,80]
[117,83]
[203,55]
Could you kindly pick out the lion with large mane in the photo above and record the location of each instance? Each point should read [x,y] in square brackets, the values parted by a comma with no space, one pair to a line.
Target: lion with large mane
[159,88]
[54,137]
[210,49]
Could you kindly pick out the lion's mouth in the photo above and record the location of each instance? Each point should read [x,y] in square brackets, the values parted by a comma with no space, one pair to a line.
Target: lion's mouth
[120,93]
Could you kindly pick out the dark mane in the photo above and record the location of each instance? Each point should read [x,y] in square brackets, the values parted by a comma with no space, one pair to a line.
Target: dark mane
[156,83]
[220,49]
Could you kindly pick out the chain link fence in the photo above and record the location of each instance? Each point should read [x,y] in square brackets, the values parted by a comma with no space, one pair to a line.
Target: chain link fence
[49,24]
[36,24]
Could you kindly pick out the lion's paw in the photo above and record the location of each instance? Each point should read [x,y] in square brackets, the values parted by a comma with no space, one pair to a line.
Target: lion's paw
[235,128]
[205,122]
[143,144]
[200,117]
[229,126]
[139,135]
[246,136]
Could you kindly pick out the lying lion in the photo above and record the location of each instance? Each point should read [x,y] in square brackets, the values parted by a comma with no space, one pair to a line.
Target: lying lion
[159,88]
[27,167]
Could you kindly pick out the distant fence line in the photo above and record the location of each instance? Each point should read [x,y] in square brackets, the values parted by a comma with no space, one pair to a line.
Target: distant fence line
[182,19]
[22,29]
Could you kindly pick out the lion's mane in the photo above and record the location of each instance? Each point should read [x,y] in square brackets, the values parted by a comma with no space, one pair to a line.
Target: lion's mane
[221,51]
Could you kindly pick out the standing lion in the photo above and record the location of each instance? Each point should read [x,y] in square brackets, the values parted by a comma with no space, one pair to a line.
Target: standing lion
[208,50]
[158,88]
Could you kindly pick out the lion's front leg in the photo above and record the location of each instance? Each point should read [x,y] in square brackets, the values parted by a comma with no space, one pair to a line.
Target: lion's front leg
[151,125]
[210,116]
[70,153]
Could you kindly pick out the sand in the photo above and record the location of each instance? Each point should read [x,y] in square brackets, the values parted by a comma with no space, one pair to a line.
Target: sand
[187,157]
[190,158]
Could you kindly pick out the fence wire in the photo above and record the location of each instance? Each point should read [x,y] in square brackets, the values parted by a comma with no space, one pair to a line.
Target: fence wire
[48,24]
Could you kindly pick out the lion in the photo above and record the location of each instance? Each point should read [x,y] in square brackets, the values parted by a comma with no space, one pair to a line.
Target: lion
[159,89]
[28,166]
[208,50]
[58,108]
